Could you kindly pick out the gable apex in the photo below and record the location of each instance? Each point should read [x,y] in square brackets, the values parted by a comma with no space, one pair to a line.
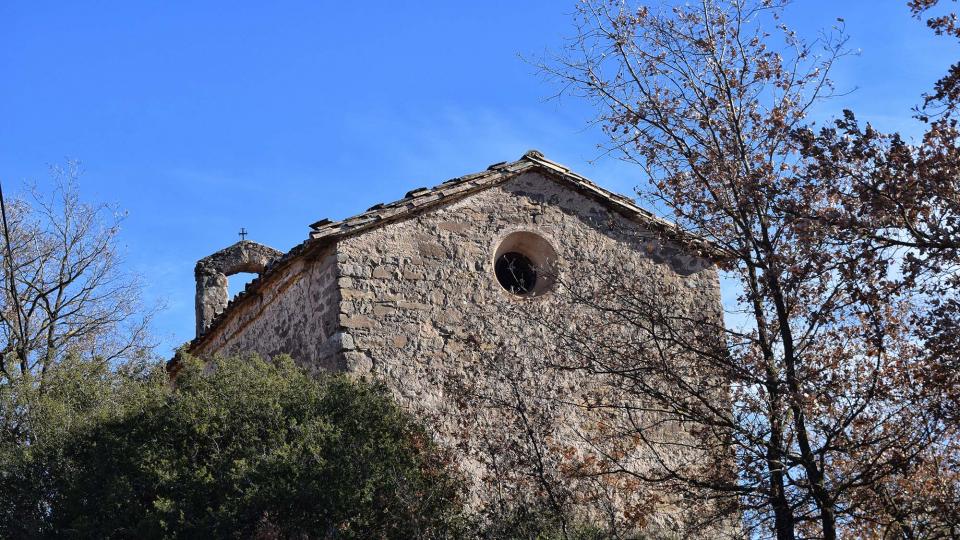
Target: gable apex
[420,200]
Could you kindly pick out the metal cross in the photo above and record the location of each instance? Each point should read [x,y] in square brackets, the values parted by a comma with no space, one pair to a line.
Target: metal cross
[243,233]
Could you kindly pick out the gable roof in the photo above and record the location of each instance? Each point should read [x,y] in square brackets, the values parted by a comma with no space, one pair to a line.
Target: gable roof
[420,199]
[325,232]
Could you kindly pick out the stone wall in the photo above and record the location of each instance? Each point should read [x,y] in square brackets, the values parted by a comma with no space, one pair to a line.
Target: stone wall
[422,310]
[416,304]
[211,274]
[294,313]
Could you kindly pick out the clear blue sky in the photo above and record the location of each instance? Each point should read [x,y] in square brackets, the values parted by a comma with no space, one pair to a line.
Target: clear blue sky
[203,117]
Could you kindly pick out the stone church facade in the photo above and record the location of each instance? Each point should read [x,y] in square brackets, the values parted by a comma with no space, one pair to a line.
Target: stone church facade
[439,296]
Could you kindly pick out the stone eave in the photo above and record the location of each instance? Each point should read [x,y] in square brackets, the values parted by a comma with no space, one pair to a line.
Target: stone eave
[326,232]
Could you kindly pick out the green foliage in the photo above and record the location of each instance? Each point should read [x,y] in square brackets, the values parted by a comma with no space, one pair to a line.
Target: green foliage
[245,447]
[540,524]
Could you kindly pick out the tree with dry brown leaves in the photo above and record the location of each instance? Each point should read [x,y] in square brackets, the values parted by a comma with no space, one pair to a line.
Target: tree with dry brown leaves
[812,396]
[901,198]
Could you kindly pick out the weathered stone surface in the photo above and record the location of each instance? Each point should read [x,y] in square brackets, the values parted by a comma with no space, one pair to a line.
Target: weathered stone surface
[384,272]
[211,273]
[416,303]
[355,322]
[295,312]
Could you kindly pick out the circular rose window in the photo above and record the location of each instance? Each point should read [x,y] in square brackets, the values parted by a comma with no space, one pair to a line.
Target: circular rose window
[524,264]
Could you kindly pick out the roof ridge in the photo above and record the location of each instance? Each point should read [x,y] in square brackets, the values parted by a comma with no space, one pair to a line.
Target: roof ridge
[420,197]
